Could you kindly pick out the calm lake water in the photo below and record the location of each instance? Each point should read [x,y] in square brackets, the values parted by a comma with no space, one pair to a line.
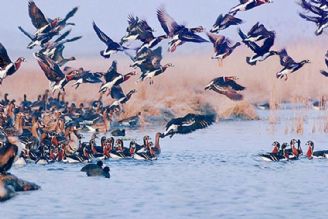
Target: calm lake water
[212,173]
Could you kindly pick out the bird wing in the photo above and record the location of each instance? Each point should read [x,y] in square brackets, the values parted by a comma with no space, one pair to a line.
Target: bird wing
[58,54]
[169,25]
[189,36]
[309,18]
[4,58]
[102,36]
[234,85]
[219,20]
[49,72]
[216,39]
[37,17]
[157,57]
[268,42]
[117,92]
[192,122]
[70,14]
[26,33]
[63,36]
[228,92]
[253,46]
[232,19]
[285,59]
[324,73]
[111,74]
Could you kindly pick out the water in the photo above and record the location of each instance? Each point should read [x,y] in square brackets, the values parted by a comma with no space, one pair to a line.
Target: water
[212,173]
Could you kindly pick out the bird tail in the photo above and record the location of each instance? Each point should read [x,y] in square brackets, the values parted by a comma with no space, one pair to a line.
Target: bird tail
[324,73]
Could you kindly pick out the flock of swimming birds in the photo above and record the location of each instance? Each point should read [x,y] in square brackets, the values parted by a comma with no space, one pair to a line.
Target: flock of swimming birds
[47,129]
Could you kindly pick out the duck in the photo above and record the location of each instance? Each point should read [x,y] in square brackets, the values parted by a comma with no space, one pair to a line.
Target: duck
[321,15]
[105,172]
[310,154]
[88,167]
[226,86]
[224,21]
[276,154]
[261,52]
[323,72]
[10,150]
[112,46]
[133,29]
[7,67]
[289,65]
[222,46]
[187,124]
[112,78]
[246,5]
[178,33]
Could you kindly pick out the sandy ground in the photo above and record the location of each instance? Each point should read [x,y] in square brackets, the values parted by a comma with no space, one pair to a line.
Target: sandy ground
[181,88]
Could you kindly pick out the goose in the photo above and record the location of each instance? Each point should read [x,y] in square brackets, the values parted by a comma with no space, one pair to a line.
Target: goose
[281,155]
[226,86]
[224,21]
[112,47]
[310,154]
[120,98]
[150,65]
[10,149]
[179,34]
[112,77]
[261,53]
[320,21]
[7,67]
[187,124]
[325,73]
[140,30]
[222,46]
[289,65]
[246,5]
[257,32]
[52,71]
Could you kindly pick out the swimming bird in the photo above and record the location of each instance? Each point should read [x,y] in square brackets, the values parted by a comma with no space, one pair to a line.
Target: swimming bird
[112,77]
[289,65]
[92,166]
[246,5]
[99,172]
[112,47]
[226,86]
[7,67]
[325,73]
[261,52]
[222,46]
[188,124]
[310,154]
[10,149]
[178,33]
[224,21]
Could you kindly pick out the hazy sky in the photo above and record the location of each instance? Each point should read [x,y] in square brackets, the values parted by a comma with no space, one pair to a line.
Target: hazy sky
[111,16]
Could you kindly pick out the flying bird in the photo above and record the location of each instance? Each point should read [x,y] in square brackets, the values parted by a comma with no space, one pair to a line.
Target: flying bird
[246,5]
[224,21]
[187,124]
[261,52]
[222,46]
[7,67]
[112,47]
[226,86]
[289,65]
[179,34]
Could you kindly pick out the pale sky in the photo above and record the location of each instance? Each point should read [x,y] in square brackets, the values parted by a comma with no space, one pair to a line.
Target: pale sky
[111,17]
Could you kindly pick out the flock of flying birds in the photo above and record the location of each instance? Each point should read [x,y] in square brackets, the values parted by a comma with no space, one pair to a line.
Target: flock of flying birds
[148,56]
